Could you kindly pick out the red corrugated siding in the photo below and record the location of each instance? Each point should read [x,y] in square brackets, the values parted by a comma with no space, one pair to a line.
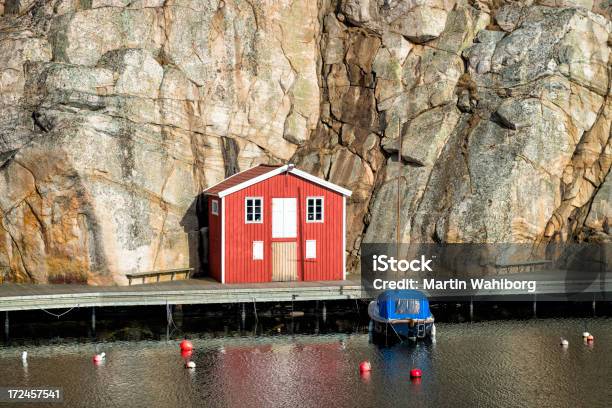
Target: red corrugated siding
[214,240]
[239,236]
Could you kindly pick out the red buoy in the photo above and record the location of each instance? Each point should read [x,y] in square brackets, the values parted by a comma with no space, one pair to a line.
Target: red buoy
[416,373]
[186,345]
[186,354]
[590,338]
[97,359]
[365,366]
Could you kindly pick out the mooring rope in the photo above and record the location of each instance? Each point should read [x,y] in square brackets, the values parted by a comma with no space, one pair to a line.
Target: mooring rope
[169,317]
[255,310]
[61,314]
[397,334]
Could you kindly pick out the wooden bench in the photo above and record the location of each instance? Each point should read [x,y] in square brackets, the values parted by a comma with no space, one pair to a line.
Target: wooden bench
[185,273]
[4,271]
[527,265]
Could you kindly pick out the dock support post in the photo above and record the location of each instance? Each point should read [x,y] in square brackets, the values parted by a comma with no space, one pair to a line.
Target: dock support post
[93,320]
[535,307]
[255,311]
[168,320]
[471,309]
[324,312]
[243,314]
[6,325]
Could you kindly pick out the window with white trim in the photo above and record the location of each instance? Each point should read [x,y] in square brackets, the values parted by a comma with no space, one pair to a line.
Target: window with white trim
[253,210]
[258,250]
[214,207]
[311,249]
[314,209]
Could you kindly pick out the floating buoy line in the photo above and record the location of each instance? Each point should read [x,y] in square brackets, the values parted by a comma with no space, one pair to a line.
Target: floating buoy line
[186,352]
[98,358]
[416,373]
[365,366]
[186,345]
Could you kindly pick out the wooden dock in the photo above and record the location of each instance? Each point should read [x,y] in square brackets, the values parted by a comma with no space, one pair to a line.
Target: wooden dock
[193,291]
[551,285]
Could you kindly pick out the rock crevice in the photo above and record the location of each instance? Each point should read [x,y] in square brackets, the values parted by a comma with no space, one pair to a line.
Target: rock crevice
[117,114]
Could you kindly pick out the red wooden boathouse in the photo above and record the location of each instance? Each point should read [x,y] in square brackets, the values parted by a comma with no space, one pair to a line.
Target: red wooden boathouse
[276,223]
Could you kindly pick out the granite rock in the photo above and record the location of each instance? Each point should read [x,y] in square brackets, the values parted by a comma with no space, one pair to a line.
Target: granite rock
[116,114]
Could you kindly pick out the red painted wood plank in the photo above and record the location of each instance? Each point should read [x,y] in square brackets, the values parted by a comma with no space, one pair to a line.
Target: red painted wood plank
[239,265]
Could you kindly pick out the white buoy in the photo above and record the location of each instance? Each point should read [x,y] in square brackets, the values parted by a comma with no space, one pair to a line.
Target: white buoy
[585,334]
[190,364]
[564,342]
[24,356]
[433,330]
[103,355]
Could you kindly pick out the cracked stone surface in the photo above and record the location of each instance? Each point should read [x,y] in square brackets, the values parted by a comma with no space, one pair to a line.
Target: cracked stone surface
[116,114]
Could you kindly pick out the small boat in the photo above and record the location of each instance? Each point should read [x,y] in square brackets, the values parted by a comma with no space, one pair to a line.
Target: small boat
[406,311]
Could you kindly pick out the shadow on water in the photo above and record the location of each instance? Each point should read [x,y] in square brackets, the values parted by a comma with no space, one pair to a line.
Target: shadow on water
[253,320]
[191,321]
[297,355]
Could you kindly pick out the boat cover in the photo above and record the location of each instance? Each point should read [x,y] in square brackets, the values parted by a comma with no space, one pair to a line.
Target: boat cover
[403,304]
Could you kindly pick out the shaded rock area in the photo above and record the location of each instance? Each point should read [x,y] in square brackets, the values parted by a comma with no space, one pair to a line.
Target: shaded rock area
[116,114]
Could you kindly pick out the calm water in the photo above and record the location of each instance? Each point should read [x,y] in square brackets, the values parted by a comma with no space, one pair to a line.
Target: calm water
[495,363]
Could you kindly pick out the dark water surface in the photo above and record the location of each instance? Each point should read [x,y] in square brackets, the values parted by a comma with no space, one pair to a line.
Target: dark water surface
[495,363]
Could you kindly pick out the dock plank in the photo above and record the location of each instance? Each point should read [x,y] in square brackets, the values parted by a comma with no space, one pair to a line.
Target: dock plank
[206,291]
[194,291]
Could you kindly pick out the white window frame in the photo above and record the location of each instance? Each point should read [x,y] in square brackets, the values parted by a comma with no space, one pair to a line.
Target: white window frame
[311,242]
[258,258]
[214,207]
[246,221]
[322,208]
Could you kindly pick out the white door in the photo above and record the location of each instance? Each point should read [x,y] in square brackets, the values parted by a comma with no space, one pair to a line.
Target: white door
[284,218]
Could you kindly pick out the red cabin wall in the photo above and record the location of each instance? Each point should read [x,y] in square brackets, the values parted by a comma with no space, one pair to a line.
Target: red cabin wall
[239,236]
[214,239]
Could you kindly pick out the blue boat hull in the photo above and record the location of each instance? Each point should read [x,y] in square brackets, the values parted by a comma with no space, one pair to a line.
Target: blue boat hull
[407,328]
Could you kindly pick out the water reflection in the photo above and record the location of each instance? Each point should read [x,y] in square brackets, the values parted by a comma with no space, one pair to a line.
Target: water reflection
[277,360]
[480,364]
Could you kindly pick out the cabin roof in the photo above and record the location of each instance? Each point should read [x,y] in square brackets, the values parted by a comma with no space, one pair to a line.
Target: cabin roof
[240,178]
[263,172]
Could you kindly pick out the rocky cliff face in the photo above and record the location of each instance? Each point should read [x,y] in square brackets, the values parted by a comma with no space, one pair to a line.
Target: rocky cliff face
[115,114]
